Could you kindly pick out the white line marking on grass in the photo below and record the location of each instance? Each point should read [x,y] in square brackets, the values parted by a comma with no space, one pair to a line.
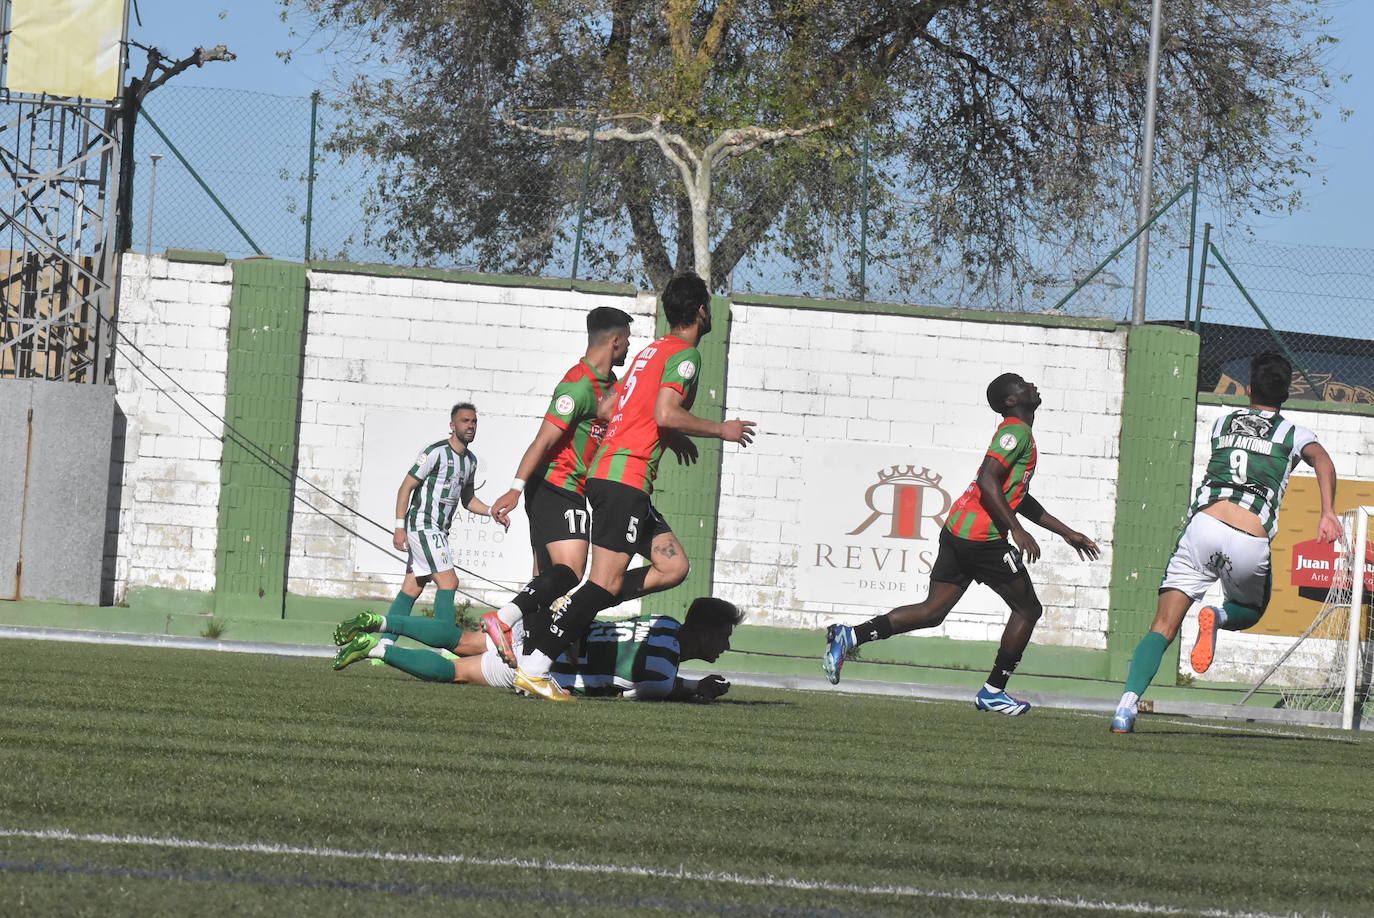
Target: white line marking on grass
[1342,737]
[164,641]
[733,879]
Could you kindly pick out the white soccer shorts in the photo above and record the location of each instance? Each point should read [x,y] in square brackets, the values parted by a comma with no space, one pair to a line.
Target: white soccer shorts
[429,552]
[496,673]
[1210,551]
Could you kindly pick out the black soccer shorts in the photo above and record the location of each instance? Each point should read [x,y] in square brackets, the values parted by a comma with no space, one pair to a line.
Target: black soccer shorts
[555,514]
[962,561]
[623,519]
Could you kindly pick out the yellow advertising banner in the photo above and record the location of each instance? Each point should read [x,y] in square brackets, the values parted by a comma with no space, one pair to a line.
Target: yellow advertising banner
[65,47]
[1301,566]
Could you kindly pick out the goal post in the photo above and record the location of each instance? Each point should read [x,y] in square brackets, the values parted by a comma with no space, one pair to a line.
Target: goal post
[1354,638]
[1327,671]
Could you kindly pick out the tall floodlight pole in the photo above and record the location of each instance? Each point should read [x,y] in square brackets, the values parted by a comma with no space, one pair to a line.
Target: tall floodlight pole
[1147,167]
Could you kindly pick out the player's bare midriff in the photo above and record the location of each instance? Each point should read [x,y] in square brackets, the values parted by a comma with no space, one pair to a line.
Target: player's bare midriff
[1237,516]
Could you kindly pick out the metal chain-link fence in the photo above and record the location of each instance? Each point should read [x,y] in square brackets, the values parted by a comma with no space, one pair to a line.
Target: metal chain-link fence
[243,173]
[1314,304]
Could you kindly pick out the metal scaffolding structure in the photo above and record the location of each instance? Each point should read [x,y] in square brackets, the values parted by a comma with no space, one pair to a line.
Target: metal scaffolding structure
[58,260]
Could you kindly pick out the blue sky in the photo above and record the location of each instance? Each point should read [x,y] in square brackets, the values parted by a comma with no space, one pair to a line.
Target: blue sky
[1339,198]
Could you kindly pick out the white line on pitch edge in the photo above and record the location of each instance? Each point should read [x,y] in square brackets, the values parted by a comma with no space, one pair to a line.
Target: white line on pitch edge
[734,879]
[1256,729]
[1249,728]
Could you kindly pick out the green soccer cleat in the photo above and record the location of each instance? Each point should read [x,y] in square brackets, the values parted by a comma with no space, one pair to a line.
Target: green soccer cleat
[362,623]
[356,649]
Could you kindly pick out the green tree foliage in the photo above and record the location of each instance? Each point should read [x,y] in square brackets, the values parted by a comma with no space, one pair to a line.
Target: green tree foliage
[988,121]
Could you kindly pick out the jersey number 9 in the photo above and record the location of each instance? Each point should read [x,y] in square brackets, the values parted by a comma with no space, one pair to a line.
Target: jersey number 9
[1239,459]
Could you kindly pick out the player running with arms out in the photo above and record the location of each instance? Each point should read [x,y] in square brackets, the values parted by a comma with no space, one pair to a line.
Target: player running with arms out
[637,658]
[1231,521]
[438,483]
[982,540]
[555,468]
[653,406]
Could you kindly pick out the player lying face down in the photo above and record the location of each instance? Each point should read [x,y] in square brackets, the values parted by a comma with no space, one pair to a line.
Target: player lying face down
[637,658]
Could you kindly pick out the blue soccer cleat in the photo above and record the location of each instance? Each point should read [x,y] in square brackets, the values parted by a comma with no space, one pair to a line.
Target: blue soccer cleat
[1123,721]
[839,646]
[1000,702]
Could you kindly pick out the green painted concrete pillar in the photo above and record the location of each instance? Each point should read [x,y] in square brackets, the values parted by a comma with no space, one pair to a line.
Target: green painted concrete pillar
[1158,418]
[689,495]
[262,402]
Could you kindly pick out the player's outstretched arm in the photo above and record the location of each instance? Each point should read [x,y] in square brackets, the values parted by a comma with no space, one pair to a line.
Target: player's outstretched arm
[1034,511]
[705,688]
[1329,525]
[398,535]
[535,455]
[992,477]
[669,413]
[476,505]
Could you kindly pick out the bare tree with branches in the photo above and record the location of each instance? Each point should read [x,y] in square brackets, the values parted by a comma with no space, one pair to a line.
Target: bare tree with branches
[987,120]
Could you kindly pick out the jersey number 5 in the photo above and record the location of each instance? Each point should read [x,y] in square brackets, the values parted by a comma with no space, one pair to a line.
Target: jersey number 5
[640,363]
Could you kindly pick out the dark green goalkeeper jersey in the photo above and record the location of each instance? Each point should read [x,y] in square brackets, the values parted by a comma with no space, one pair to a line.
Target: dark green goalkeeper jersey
[637,658]
[1253,453]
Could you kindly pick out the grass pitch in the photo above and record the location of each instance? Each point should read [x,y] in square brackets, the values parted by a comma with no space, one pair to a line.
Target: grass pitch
[147,781]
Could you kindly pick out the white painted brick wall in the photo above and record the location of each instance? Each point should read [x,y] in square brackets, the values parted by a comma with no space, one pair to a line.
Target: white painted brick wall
[807,376]
[383,342]
[166,476]
[812,376]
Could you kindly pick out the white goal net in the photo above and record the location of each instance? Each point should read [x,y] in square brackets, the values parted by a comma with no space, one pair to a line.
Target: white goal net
[1330,667]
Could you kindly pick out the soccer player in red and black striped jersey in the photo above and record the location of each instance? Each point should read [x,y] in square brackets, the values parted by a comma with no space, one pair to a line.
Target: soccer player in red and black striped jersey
[555,466]
[652,410]
[982,540]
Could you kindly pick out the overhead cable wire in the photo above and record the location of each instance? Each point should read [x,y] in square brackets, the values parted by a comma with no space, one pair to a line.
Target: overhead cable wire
[384,549]
[260,453]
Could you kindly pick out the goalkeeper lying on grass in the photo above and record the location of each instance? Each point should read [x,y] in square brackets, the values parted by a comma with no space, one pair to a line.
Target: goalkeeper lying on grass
[637,658]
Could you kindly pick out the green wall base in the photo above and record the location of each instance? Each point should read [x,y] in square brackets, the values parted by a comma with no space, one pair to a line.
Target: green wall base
[1158,414]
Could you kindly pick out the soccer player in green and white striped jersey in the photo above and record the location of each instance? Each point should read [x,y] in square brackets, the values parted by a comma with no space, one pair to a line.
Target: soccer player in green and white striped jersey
[638,658]
[440,481]
[1231,521]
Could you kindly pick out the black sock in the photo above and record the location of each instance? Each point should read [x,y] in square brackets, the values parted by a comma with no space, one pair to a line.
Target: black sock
[574,621]
[536,625]
[1002,668]
[632,586]
[875,629]
[545,588]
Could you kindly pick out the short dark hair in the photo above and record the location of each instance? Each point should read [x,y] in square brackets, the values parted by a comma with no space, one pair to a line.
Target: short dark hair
[709,613]
[1271,375]
[1000,389]
[459,407]
[603,320]
[684,295]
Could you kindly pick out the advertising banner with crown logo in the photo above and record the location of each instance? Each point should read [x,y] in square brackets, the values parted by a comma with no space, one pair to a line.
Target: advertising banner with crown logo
[871,520]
